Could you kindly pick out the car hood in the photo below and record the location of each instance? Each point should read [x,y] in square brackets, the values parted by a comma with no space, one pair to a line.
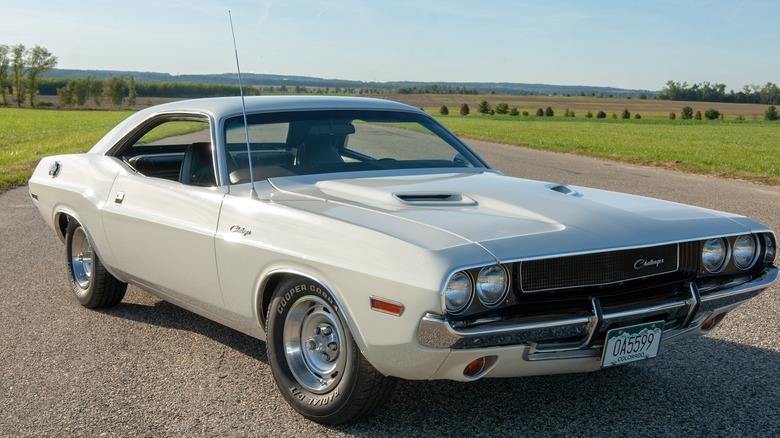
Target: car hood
[512,218]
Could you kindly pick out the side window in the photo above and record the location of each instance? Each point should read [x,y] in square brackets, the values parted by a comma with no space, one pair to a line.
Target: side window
[175,149]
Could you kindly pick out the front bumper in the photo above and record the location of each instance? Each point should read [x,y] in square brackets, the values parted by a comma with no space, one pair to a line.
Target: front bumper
[580,335]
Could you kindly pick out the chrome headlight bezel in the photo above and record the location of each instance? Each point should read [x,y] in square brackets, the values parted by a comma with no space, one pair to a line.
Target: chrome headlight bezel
[715,254]
[492,285]
[458,283]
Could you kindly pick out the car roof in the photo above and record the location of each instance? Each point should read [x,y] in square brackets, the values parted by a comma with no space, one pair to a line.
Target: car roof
[226,106]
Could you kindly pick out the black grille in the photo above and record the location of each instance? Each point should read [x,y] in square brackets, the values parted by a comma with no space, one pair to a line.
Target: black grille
[598,269]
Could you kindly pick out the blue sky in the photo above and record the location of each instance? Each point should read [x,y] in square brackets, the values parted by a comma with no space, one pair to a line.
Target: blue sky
[626,44]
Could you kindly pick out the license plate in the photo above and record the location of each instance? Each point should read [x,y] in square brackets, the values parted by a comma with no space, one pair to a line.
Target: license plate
[630,344]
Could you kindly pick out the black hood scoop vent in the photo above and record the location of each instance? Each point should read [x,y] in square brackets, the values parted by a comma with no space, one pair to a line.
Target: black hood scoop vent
[435,199]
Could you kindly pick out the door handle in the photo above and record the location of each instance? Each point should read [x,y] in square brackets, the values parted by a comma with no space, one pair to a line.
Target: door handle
[120,197]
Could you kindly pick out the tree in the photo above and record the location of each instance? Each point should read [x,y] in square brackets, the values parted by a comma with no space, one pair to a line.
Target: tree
[17,73]
[132,93]
[114,89]
[514,112]
[502,108]
[444,110]
[637,116]
[5,64]
[771,114]
[687,113]
[712,114]
[589,115]
[540,113]
[625,114]
[697,116]
[601,115]
[549,112]
[39,61]
[672,116]
[484,107]
[464,109]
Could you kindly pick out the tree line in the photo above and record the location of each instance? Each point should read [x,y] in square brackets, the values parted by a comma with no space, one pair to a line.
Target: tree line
[21,70]
[705,92]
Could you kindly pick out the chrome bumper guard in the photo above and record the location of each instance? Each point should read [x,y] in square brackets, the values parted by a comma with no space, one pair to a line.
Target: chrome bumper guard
[554,333]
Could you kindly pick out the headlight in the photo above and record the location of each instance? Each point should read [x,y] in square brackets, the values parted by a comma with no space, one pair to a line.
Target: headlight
[491,285]
[745,251]
[458,292]
[713,255]
[771,250]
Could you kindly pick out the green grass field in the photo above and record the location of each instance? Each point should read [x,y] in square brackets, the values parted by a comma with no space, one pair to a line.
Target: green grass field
[733,149]
[28,135]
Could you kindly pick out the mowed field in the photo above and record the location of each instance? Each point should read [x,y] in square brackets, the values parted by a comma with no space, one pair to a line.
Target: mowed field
[580,105]
[741,149]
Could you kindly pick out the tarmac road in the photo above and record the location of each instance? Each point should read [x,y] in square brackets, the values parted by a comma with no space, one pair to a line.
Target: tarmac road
[148,368]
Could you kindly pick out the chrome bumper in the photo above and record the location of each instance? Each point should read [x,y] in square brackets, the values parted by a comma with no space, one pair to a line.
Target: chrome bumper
[554,333]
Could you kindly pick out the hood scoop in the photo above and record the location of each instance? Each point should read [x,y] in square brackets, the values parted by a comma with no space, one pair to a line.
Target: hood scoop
[564,189]
[433,199]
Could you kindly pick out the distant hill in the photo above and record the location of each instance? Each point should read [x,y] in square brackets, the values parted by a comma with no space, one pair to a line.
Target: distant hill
[253,79]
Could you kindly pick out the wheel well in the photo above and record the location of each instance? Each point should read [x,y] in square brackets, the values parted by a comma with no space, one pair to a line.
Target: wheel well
[267,292]
[63,220]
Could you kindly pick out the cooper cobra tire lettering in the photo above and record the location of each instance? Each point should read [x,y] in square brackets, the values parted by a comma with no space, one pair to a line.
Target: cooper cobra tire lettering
[314,359]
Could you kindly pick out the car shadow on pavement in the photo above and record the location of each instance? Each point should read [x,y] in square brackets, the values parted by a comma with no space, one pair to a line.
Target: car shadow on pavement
[167,315]
[697,387]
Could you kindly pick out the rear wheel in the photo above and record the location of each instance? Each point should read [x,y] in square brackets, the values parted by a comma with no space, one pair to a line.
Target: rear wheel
[93,286]
[315,361]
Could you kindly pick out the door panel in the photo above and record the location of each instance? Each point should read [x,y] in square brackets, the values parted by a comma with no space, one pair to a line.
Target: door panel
[162,235]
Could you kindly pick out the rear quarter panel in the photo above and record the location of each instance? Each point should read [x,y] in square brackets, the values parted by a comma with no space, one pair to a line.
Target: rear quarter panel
[79,190]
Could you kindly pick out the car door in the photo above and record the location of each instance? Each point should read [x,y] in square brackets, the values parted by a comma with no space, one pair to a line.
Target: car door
[160,229]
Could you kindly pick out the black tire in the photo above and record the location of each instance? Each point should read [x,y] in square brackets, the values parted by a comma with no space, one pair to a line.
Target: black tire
[90,282]
[315,361]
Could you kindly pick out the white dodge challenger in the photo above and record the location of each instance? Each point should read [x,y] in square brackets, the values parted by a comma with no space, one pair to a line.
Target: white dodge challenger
[364,242]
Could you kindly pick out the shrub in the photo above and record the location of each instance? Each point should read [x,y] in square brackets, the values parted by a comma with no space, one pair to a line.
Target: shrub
[614,115]
[712,114]
[589,115]
[502,108]
[444,111]
[549,112]
[566,113]
[625,114]
[540,113]
[740,117]
[525,113]
[687,113]
[672,116]
[514,112]
[601,115]
[771,114]
[484,107]
[637,116]
[697,116]
[464,109]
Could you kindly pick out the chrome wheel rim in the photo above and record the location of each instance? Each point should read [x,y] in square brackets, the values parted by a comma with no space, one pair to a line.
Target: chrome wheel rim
[315,344]
[81,258]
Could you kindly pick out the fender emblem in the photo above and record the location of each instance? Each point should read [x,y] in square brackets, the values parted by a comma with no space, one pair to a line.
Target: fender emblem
[240,230]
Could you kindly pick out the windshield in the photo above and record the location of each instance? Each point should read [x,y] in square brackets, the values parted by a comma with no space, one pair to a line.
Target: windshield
[308,142]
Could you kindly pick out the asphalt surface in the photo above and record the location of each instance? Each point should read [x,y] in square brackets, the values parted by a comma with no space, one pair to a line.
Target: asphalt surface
[148,368]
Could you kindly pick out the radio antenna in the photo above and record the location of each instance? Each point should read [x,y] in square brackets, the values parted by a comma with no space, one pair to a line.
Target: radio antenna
[252,191]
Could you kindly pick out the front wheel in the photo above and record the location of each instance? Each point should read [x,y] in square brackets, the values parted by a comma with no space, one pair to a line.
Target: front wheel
[93,286]
[315,361]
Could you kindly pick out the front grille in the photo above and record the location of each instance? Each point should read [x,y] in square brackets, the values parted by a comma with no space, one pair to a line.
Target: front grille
[597,269]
